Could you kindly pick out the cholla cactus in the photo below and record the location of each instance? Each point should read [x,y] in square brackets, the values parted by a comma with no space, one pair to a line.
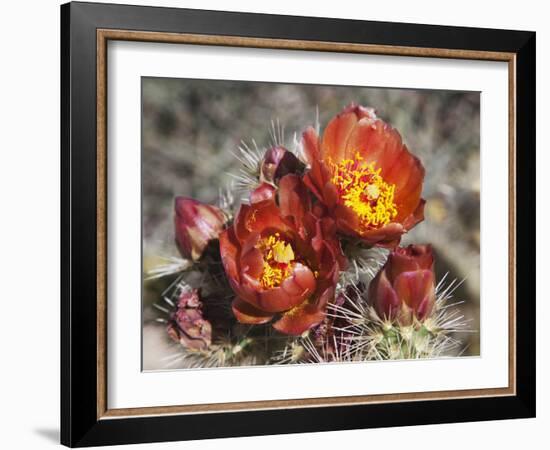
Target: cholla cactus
[309,268]
[354,332]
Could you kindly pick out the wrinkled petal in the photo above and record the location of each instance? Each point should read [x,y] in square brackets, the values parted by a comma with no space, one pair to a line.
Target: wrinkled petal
[187,324]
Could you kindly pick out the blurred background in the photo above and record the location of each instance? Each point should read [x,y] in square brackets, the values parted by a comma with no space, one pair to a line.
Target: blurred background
[191,127]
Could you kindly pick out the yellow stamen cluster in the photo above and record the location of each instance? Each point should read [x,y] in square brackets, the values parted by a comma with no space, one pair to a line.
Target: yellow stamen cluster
[278,258]
[362,189]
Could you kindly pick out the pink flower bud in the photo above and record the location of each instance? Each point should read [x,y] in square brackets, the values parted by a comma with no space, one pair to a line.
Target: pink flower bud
[404,289]
[278,162]
[196,225]
[187,324]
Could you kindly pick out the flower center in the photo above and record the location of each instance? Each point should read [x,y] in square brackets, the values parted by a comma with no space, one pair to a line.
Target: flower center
[278,260]
[361,188]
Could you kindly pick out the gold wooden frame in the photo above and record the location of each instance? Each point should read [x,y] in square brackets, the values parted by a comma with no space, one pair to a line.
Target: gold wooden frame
[103,36]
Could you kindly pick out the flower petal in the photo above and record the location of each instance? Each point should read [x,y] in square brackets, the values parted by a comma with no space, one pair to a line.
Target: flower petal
[335,136]
[294,198]
[246,313]
[407,196]
[346,220]
[241,219]
[263,192]
[252,263]
[387,236]
[406,174]
[416,217]
[339,129]
[425,307]
[301,283]
[330,195]
[317,176]
[293,291]
[365,140]
[413,287]
[385,233]
[383,297]
[249,289]
[421,255]
[310,141]
[265,215]
[304,316]
[229,254]
[399,262]
[392,148]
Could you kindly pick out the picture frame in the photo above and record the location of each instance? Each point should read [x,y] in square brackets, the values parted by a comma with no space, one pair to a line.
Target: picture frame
[86,29]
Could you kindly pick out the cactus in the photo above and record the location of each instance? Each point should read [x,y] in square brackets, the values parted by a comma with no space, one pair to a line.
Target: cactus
[378,302]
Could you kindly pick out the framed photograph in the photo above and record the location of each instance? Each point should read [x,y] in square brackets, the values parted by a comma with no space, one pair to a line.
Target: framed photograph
[276,224]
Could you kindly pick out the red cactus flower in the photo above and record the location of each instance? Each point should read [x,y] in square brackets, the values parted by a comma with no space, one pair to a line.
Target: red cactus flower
[187,324]
[370,182]
[278,162]
[196,224]
[404,289]
[281,259]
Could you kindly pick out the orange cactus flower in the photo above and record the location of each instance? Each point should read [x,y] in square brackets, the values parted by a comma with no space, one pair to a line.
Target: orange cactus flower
[281,258]
[367,178]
